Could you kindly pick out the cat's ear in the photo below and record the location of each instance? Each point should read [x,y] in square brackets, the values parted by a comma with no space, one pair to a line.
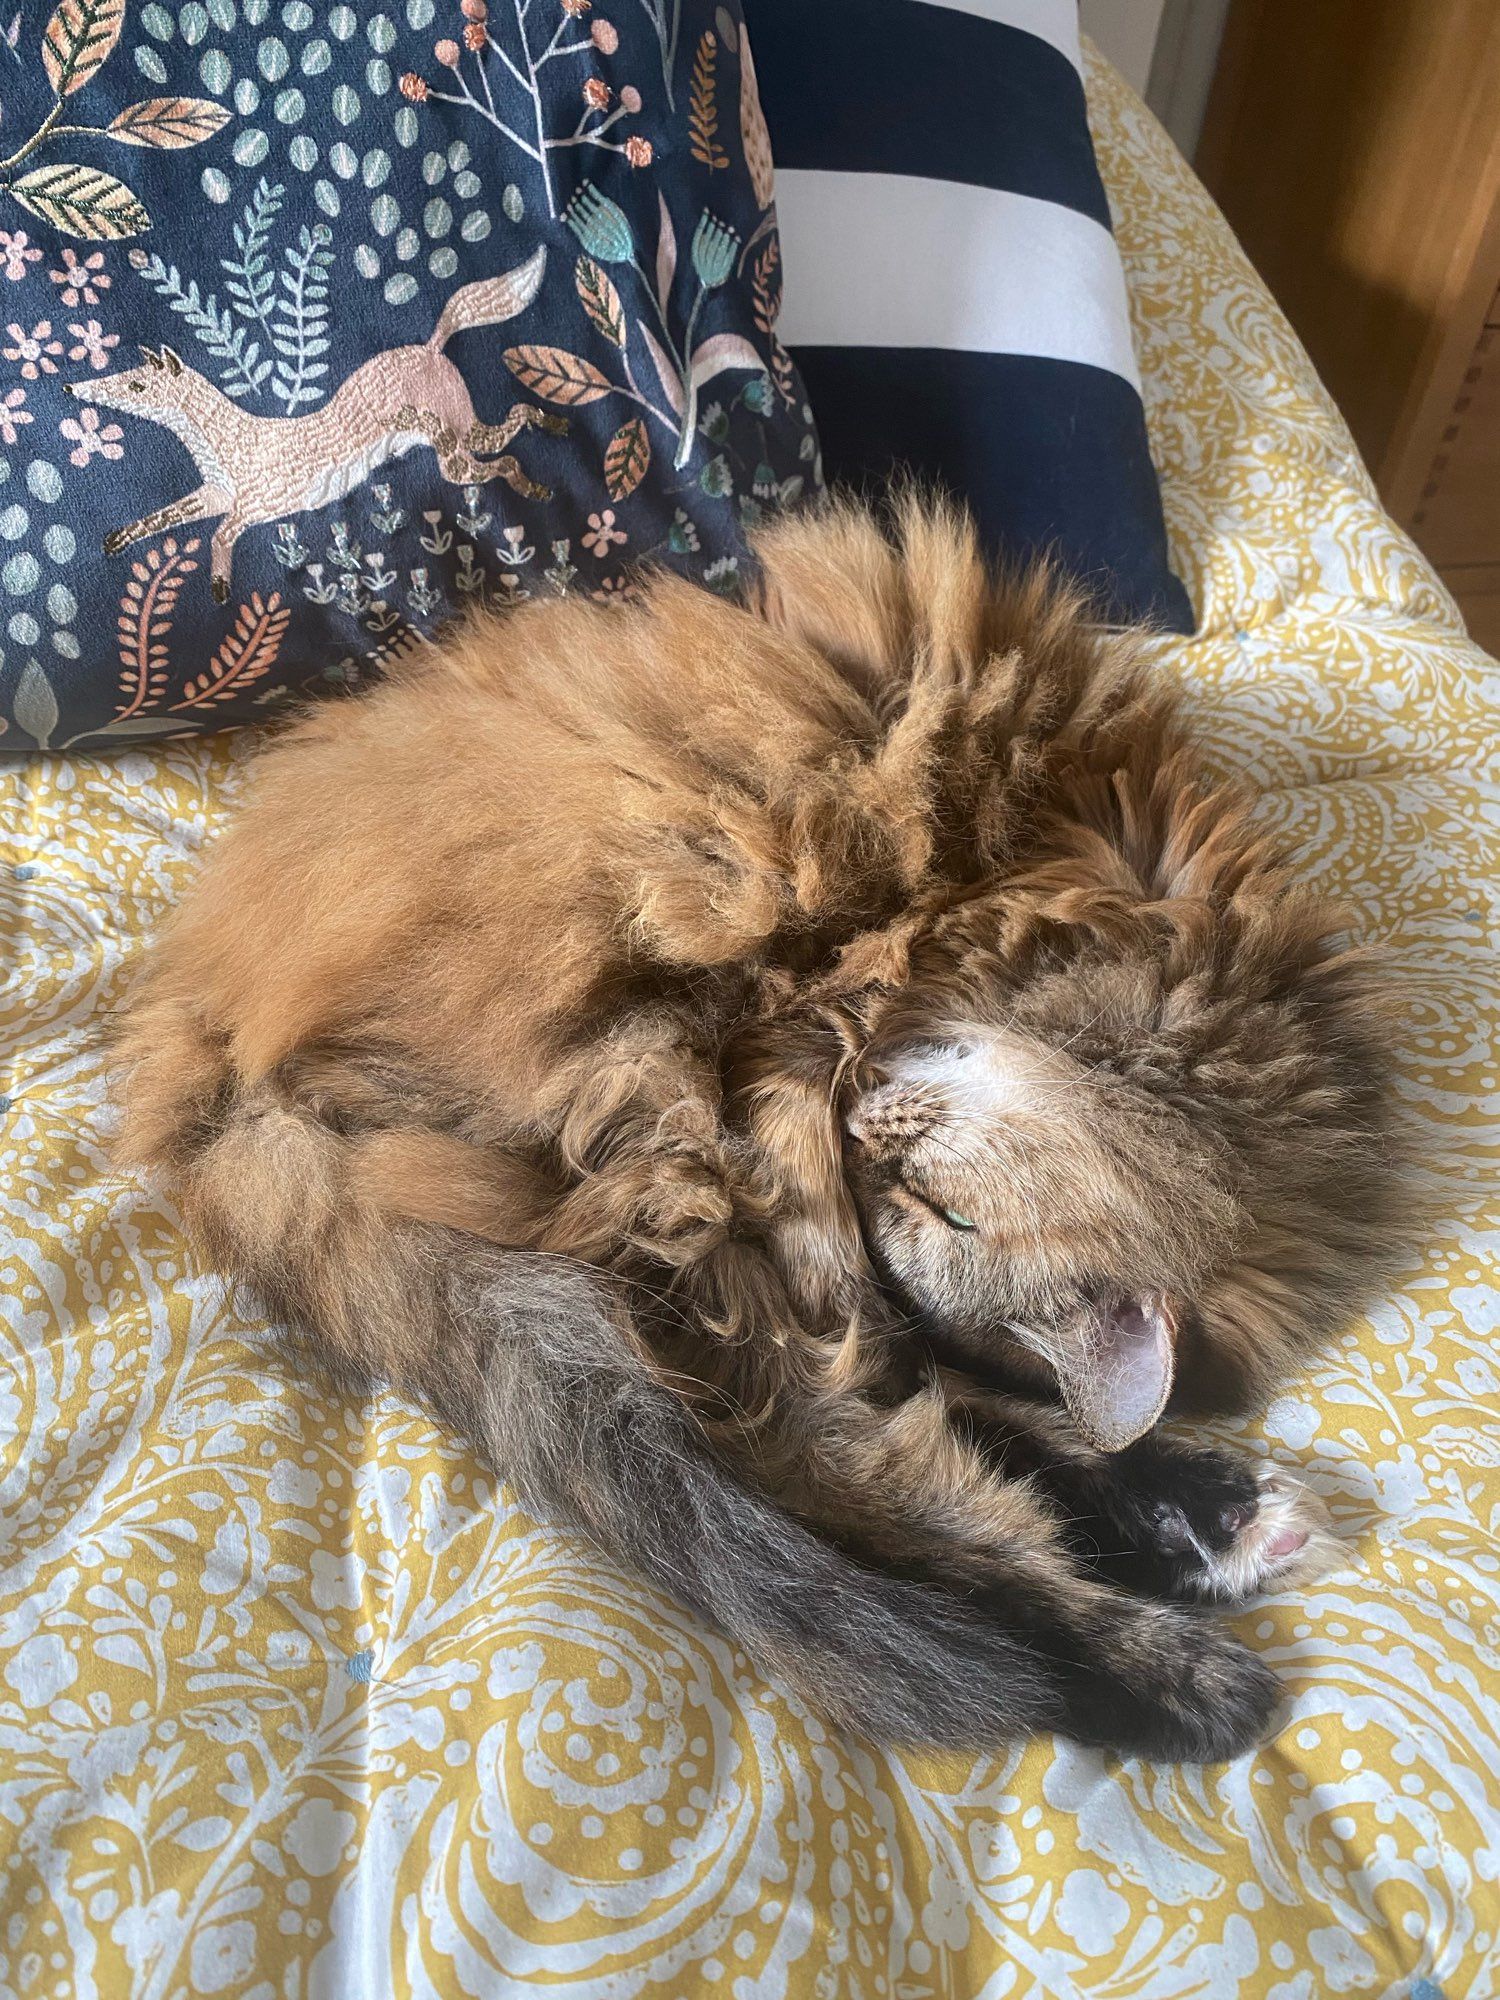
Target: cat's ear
[1116,1371]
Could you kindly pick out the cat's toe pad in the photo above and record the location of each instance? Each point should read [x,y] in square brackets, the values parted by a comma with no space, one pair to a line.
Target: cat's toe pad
[1288,1539]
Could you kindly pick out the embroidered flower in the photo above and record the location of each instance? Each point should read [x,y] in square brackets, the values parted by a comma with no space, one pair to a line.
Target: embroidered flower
[682,536]
[616,590]
[474,10]
[448,54]
[602,532]
[414,87]
[630,97]
[33,350]
[82,280]
[93,343]
[576,7]
[605,36]
[89,439]
[714,245]
[476,36]
[638,152]
[601,225]
[596,93]
[13,414]
[16,252]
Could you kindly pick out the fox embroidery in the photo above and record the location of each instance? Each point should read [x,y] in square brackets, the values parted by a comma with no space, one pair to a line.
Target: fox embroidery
[255,469]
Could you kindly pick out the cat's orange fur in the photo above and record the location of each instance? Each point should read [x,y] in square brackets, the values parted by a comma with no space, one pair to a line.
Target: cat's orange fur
[739,1063]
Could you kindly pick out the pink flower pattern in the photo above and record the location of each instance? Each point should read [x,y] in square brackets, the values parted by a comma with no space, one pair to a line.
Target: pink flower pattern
[89,439]
[82,280]
[93,343]
[13,413]
[33,350]
[16,253]
[602,532]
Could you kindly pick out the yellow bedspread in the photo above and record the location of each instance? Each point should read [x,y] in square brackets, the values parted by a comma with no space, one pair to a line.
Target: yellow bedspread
[293,1705]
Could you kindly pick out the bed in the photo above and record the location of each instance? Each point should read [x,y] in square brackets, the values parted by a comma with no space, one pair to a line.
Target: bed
[294,1704]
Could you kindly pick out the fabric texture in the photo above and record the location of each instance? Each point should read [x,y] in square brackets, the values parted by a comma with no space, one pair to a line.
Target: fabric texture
[319,323]
[294,1707]
[955,297]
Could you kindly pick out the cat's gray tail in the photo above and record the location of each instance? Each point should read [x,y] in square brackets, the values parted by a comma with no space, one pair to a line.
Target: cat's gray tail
[574,1415]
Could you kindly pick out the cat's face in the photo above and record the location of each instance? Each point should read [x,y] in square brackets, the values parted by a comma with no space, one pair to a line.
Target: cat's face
[1033,1211]
[1117,1183]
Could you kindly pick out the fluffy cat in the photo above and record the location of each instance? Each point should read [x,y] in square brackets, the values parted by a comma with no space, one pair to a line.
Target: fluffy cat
[804,1088]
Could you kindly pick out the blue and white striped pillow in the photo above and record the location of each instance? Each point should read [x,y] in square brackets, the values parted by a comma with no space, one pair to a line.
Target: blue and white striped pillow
[954,295]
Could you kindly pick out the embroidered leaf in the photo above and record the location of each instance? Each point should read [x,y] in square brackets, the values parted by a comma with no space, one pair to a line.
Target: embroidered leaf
[80,201]
[666,253]
[246,372]
[250,280]
[600,300]
[766,289]
[703,111]
[77,39]
[145,623]
[720,351]
[168,122]
[35,705]
[559,376]
[628,459]
[248,654]
[300,333]
[667,375]
[783,371]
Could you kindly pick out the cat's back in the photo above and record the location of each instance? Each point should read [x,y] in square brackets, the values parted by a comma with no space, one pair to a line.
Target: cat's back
[415,855]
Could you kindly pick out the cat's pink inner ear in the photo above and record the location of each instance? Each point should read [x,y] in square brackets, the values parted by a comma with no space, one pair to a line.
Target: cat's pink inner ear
[1118,1374]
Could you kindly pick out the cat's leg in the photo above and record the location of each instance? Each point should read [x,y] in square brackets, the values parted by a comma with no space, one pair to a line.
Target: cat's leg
[1165,1517]
[902,1491]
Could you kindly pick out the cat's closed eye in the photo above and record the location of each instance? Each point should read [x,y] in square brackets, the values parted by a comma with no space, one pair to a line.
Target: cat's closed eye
[944,1214]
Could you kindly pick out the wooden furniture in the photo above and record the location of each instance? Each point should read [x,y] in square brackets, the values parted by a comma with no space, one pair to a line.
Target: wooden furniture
[1355,147]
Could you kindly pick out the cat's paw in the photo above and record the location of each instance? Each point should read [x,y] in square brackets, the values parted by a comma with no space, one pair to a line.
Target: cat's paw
[1194,1695]
[1243,1536]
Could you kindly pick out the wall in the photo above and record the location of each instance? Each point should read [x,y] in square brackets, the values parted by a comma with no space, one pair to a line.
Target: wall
[1125,31]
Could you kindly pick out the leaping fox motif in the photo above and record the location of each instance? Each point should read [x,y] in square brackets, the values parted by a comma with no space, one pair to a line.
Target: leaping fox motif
[260,469]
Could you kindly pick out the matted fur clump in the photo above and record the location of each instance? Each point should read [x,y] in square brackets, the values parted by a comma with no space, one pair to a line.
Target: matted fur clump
[805,1088]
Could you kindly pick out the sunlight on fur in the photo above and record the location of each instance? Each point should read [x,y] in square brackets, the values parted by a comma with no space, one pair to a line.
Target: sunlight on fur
[804,1087]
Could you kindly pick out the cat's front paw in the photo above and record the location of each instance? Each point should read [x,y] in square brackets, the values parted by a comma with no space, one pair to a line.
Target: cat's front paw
[1270,1533]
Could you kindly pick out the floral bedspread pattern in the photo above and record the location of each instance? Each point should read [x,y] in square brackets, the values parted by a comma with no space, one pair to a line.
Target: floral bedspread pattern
[293,1705]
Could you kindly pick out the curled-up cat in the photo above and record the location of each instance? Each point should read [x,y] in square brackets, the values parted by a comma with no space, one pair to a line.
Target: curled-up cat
[805,1088]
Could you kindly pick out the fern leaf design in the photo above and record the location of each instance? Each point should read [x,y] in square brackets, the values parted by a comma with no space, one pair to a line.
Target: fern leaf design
[300,334]
[249,279]
[703,110]
[244,371]
[145,624]
[766,288]
[247,655]
[765,308]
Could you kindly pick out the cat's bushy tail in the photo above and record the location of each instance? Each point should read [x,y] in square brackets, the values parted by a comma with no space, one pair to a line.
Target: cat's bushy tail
[535,1359]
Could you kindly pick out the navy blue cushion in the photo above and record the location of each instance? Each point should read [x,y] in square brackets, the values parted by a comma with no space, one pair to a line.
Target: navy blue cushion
[320,322]
[955,298]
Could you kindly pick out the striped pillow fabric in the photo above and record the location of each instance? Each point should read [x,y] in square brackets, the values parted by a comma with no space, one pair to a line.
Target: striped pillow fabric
[954,296]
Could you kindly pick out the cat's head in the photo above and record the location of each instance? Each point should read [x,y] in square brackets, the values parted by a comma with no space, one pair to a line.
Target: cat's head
[1136,1141]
